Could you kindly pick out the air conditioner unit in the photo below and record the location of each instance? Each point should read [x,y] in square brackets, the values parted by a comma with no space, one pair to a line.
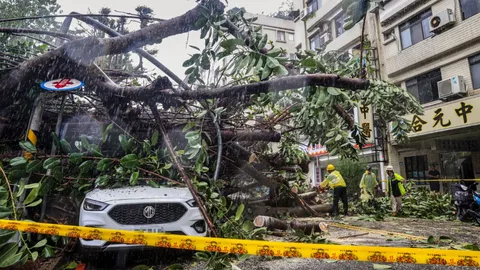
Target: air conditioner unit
[451,88]
[441,20]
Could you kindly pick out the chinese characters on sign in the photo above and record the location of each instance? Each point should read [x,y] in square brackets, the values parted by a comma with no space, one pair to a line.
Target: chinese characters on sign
[448,116]
[365,117]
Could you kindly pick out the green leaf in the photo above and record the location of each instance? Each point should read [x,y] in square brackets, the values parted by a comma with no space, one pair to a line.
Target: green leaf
[5,235]
[66,148]
[7,252]
[431,240]
[18,161]
[48,252]
[51,163]
[265,73]
[102,180]
[86,165]
[104,164]
[381,266]
[75,158]
[129,161]
[333,91]
[205,63]
[243,63]
[176,266]
[154,139]
[263,41]
[56,141]
[95,150]
[134,178]
[272,62]
[28,146]
[57,173]
[85,143]
[231,43]
[274,52]
[123,142]
[34,166]
[106,132]
[71,265]
[5,212]
[34,255]
[32,195]
[189,70]
[309,63]
[9,261]
[40,243]
[152,184]
[238,214]
[35,203]
[34,185]
[281,71]
[21,187]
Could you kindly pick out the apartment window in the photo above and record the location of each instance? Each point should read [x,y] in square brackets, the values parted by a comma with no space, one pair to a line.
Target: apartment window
[475,70]
[339,22]
[416,29]
[469,8]
[281,36]
[316,41]
[313,5]
[424,87]
[291,37]
[417,168]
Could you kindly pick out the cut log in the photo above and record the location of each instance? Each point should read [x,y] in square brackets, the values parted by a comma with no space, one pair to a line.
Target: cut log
[308,195]
[308,227]
[270,223]
[292,211]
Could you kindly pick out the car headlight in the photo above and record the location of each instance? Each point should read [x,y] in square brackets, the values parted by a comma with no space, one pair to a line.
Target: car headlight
[92,205]
[192,203]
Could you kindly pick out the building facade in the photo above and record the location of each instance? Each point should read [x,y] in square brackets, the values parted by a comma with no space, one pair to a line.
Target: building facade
[432,49]
[320,24]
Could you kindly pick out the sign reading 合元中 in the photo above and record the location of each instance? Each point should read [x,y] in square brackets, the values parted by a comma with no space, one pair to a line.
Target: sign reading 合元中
[448,116]
[65,84]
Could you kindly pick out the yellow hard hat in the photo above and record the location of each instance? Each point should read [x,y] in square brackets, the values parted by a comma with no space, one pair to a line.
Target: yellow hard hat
[330,167]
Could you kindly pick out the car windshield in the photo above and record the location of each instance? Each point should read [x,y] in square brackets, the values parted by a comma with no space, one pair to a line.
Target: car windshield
[179,134]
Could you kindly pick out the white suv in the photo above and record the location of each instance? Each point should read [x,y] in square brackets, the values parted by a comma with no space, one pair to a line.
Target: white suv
[143,208]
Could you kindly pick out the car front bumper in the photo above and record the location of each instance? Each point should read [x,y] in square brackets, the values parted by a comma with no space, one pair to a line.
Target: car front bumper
[101,219]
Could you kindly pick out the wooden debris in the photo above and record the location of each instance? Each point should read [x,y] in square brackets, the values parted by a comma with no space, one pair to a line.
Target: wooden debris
[270,223]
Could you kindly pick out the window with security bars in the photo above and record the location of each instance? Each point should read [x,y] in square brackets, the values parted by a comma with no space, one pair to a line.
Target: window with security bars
[424,87]
[417,169]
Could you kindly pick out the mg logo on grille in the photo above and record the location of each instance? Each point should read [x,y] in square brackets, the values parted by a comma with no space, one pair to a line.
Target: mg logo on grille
[149,211]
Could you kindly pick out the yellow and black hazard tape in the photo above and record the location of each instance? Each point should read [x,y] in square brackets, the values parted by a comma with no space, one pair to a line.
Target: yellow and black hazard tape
[441,180]
[254,247]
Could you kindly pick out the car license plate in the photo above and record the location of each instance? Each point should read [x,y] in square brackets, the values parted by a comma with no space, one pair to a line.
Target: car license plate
[150,230]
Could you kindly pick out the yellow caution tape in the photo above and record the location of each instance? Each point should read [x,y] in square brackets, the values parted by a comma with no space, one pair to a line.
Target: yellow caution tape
[381,232]
[254,247]
[440,180]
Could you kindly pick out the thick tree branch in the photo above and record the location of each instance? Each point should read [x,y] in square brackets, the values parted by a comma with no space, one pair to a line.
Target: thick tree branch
[345,116]
[279,84]
[251,135]
[181,170]
[36,31]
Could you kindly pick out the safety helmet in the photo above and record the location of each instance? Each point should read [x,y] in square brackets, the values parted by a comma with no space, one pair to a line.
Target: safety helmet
[369,168]
[389,168]
[330,167]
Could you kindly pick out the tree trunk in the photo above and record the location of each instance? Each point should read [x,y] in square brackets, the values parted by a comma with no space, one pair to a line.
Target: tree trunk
[295,211]
[308,195]
[308,228]
[270,223]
